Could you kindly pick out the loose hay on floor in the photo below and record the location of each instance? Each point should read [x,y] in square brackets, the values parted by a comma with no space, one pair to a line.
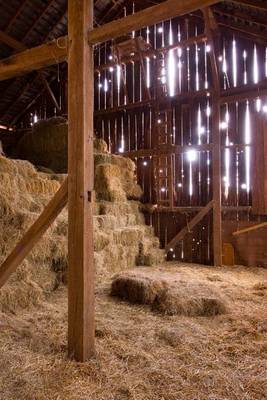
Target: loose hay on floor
[167,293]
[142,355]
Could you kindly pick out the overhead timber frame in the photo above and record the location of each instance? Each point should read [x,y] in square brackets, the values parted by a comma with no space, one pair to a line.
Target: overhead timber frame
[77,49]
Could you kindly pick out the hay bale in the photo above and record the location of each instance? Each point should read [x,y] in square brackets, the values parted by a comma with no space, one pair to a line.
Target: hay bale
[136,289]
[108,184]
[166,294]
[177,301]
[46,144]
[100,146]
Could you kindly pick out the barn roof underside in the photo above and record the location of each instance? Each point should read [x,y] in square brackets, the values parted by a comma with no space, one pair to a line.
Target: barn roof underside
[28,23]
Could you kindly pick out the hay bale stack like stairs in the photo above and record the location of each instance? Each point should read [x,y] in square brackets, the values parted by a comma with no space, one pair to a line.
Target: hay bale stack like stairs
[122,240]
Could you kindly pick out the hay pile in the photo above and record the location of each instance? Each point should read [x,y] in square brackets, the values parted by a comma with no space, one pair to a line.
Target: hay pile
[23,194]
[119,227]
[46,145]
[167,293]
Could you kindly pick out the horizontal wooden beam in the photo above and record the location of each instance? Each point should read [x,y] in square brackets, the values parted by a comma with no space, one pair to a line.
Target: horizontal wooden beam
[194,221]
[152,52]
[154,208]
[149,16]
[34,234]
[33,59]
[245,92]
[250,229]
[166,150]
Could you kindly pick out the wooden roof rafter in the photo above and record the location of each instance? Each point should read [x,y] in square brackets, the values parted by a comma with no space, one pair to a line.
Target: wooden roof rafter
[258,4]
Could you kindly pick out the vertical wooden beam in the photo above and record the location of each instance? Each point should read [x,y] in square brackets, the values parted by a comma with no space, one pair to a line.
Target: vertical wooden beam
[81,177]
[211,30]
[216,182]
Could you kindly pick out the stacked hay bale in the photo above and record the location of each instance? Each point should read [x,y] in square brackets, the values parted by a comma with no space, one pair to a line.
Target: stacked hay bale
[121,238]
[46,145]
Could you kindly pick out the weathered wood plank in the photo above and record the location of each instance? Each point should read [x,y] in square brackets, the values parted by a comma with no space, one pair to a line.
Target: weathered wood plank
[36,58]
[259,162]
[212,33]
[149,16]
[250,229]
[194,221]
[34,234]
[81,180]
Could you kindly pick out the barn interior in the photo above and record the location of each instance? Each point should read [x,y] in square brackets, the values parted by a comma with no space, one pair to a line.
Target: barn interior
[133,199]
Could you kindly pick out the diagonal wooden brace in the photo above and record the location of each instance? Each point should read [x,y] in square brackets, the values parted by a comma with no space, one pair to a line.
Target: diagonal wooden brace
[194,221]
[35,232]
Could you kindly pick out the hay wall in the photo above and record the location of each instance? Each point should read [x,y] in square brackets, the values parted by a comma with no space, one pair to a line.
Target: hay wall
[121,238]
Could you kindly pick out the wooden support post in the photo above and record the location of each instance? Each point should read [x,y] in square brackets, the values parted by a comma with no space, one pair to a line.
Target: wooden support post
[81,178]
[216,182]
[211,30]
[34,234]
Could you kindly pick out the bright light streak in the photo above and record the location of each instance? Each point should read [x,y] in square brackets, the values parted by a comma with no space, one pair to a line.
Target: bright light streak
[247,142]
[255,65]
[224,62]
[35,118]
[258,104]
[227,172]
[148,80]
[234,53]
[191,155]
[200,128]
[105,85]
[118,79]
[171,66]
[245,67]
[197,64]
[223,125]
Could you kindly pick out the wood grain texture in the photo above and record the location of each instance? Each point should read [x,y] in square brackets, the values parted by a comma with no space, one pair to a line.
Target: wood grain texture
[259,171]
[33,59]
[81,178]
[194,221]
[149,16]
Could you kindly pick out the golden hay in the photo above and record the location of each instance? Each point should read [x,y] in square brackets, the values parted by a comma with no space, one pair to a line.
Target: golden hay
[167,293]
[142,355]
[24,192]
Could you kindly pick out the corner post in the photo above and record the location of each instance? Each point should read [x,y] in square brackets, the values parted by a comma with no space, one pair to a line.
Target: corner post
[211,30]
[81,179]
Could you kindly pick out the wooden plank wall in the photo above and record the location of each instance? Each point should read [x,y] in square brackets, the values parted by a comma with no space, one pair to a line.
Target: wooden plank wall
[132,129]
[129,127]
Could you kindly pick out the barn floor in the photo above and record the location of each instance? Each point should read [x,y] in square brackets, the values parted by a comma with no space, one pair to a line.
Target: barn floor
[142,354]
